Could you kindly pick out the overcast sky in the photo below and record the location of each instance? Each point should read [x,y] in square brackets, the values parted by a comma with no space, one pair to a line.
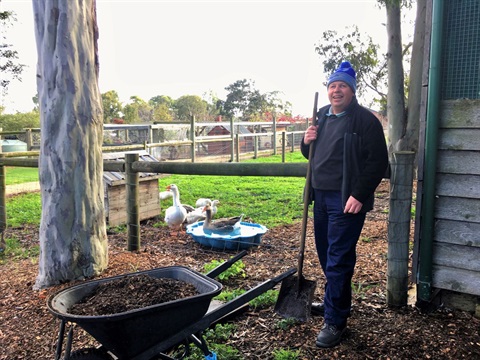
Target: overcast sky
[175,48]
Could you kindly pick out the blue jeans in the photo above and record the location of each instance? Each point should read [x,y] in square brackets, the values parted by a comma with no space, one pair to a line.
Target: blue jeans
[336,237]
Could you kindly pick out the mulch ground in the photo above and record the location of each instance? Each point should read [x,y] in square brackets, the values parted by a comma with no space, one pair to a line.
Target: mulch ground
[375,331]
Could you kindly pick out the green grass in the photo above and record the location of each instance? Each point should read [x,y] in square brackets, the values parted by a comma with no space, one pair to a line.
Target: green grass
[24,209]
[269,201]
[235,271]
[286,354]
[19,175]
[15,250]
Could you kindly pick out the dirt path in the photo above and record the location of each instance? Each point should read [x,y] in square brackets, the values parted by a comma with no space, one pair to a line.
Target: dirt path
[23,188]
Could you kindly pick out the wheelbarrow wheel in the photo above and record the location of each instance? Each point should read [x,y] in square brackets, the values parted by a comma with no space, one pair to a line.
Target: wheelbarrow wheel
[90,354]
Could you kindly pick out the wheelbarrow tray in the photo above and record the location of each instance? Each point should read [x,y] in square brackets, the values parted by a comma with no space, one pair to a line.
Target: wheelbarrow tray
[129,333]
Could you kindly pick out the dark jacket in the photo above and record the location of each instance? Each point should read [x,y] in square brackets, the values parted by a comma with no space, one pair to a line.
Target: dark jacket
[365,155]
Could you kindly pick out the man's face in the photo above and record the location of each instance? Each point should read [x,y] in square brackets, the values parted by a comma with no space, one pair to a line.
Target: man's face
[340,96]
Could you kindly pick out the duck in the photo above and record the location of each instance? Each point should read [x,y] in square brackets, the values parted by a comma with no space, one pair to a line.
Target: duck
[222,225]
[176,214]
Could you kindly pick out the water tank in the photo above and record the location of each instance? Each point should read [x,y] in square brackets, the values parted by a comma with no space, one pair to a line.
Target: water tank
[13,146]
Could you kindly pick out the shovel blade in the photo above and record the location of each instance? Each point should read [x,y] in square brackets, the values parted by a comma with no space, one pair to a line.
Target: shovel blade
[295,301]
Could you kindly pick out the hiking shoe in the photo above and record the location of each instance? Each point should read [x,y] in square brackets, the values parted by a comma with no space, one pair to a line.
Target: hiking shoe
[329,336]
[318,309]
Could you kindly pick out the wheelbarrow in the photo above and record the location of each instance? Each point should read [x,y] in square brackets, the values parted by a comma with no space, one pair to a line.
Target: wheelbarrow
[146,333]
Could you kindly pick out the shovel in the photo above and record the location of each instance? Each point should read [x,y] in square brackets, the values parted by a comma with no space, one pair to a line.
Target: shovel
[296,293]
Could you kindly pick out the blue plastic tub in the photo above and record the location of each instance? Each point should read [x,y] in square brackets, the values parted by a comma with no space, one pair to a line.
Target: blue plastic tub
[248,236]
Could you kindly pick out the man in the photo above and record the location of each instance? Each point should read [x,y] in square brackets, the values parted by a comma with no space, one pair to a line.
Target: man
[349,160]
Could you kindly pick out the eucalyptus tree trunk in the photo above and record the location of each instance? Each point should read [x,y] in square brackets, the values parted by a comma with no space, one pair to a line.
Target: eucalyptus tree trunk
[416,77]
[396,94]
[73,240]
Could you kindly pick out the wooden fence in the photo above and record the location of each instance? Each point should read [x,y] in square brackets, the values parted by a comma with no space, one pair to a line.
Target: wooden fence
[287,140]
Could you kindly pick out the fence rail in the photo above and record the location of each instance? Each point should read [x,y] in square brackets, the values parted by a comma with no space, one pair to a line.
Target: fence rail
[132,166]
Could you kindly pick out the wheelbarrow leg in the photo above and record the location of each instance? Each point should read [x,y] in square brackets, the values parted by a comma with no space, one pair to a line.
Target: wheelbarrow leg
[68,347]
[61,334]
[202,345]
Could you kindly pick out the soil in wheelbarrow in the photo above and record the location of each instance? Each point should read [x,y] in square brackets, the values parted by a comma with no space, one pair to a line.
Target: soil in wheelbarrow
[375,331]
[132,292]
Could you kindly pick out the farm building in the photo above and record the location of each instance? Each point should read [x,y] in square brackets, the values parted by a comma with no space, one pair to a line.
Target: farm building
[115,192]
[446,259]
[225,147]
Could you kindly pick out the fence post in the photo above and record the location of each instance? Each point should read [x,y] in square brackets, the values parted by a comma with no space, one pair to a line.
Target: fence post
[401,185]
[274,142]
[255,146]
[29,141]
[284,145]
[132,193]
[3,206]
[232,147]
[237,147]
[150,134]
[192,138]
[293,143]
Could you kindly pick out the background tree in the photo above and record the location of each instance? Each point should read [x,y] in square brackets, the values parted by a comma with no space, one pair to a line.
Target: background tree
[247,103]
[19,121]
[36,103]
[404,126]
[162,108]
[9,66]
[388,72]
[112,106]
[238,98]
[362,53]
[162,113]
[191,105]
[161,100]
[214,105]
[137,111]
[73,239]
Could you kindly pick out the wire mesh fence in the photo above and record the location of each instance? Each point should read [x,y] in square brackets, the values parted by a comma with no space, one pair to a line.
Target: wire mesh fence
[461,50]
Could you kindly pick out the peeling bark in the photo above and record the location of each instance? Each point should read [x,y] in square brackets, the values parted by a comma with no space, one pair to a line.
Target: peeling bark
[73,241]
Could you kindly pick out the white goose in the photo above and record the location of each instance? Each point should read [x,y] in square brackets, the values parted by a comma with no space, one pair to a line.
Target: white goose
[199,214]
[176,214]
[195,215]
[164,195]
[202,202]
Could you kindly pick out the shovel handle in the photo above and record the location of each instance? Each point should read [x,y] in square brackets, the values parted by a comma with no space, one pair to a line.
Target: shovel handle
[306,194]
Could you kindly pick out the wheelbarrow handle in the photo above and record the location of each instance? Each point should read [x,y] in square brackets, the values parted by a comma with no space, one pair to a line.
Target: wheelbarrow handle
[214,315]
[240,300]
[225,265]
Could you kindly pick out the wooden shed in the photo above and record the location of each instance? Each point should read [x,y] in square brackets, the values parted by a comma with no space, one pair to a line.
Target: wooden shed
[115,192]
[225,147]
[446,264]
